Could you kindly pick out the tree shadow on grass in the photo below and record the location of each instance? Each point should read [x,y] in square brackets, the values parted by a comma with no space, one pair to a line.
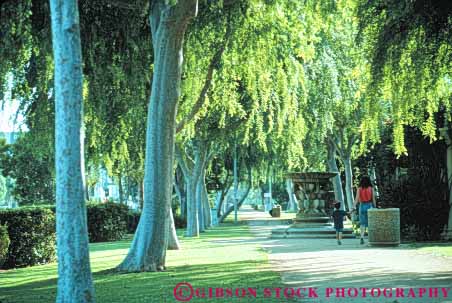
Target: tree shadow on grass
[155,286]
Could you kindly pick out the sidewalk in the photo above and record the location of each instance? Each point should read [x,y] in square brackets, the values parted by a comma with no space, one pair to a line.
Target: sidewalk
[321,263]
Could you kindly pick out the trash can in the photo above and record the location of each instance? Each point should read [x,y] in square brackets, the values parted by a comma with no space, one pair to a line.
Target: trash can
[384,226]
[276,211]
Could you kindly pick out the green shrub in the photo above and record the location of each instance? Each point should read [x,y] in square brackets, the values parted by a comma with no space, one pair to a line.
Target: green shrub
[179,221]
[106,221]
[133,217]
[32,235]
[4,244]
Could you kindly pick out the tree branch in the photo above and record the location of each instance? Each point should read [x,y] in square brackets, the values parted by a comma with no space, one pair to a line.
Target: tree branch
[224,191]
[179,154]
[335,141]
[351,141]
[208,81]
[242,199]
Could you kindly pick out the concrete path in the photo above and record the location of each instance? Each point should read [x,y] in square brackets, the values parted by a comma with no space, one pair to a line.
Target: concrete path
[352,272]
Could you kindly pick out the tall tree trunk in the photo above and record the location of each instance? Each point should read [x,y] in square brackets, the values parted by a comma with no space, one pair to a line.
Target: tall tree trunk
[179,185]
[348,180]
[168,24]
[293,205]
[447,134]
[449,182]
[178,195]
[173,241]
[344,150]
[200,166]
[183,207]
[224,191]
[205,200]
[200,205]
[332,167]
[236,183]
[192,172]
[140,193]
[87,193]
[192,209]
[127,189]
[74,272]
[120,189]
[242,199]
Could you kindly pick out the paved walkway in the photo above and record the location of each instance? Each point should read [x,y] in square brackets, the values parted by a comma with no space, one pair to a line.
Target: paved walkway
[322,264]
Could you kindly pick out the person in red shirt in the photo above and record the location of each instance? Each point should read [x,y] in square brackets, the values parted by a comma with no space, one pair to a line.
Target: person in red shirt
[365,196]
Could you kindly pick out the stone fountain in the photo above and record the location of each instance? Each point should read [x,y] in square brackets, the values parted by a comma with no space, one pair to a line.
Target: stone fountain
[315,198]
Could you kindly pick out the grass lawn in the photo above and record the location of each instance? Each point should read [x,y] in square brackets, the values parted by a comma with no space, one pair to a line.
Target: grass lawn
[440,249]
[222,257]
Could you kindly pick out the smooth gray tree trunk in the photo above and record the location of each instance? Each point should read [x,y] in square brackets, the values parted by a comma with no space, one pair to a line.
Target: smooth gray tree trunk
[204,199]
[200,206]
[348,181]
[120,189]
[173,241]
[332,167]
[224,191]
[218,199]
[74,272]
[293,205]
[140,194]
[192,171]
[446,133]
[207,208]
[200,167]
[449,182]
[236,183]
[168,25]
[192,209]
[179,186]
[242,199]
[344,149]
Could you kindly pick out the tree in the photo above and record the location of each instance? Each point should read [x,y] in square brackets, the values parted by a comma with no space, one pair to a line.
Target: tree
[168,24]
[74,273]
[339,79]
[409,46]
[408,43]
[193,172]
[28,162]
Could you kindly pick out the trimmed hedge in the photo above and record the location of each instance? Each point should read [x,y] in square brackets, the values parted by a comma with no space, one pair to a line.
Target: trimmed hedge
[180,222]
[133,217]
[4,244]
[106,221]
[32,235]
[32,230]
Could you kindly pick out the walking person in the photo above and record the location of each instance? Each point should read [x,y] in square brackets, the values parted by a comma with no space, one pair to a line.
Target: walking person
[365,196]
[338,219]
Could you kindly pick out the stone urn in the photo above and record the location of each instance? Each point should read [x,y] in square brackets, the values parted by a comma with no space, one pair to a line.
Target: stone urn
[384,226]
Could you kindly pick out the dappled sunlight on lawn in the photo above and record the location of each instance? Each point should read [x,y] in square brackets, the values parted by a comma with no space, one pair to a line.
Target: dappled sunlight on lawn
[220,257]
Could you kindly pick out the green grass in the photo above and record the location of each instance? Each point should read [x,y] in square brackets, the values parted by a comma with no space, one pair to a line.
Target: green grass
[439,250]
[222,257]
